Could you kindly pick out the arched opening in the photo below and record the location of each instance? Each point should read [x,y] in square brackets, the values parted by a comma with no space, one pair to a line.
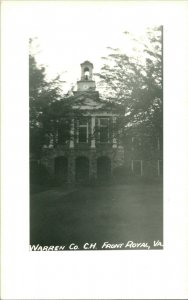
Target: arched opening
[61,169]
[82,169]
[103,168]
[86,73]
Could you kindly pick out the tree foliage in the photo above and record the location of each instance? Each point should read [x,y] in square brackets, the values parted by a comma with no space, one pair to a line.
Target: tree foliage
[134,81]
[47,106]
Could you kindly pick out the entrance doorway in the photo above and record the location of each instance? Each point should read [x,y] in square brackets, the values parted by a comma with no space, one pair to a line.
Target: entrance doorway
[103,168]
[82,169]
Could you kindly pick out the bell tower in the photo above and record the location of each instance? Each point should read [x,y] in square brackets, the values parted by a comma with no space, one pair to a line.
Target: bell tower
[86,83]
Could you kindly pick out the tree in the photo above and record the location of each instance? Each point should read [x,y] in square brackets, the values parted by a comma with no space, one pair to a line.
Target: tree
[45,98]
[135,82]
[51,111]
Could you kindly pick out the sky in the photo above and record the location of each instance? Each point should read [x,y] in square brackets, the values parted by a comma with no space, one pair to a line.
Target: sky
[69,33]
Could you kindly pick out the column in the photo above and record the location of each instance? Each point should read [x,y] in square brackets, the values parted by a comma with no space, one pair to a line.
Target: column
[132,166]
[72,134]
[141,167]
[158,168]
[158,144]
[92,132]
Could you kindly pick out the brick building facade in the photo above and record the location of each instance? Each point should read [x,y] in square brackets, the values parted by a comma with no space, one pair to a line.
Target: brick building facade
[94,151]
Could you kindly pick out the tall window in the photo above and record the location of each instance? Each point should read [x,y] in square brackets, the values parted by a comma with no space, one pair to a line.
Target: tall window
[137,167]
[103,130]
[157,143]
[83,130]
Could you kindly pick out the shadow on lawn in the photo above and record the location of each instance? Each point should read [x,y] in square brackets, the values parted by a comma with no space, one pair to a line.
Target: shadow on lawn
[97,214]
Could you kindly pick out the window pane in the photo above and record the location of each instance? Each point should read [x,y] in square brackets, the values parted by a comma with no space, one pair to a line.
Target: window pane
[83,134]
[104,134]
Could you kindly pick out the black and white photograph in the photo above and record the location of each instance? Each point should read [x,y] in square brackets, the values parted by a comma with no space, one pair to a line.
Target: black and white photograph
[96,138]
[94,149]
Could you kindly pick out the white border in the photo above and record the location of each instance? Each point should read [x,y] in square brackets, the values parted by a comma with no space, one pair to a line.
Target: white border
[96,275]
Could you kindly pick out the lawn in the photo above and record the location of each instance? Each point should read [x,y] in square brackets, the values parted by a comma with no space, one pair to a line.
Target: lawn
[114,214]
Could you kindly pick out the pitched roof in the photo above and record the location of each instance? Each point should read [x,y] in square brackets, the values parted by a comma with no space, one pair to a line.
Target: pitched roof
[90,100]
[86,62]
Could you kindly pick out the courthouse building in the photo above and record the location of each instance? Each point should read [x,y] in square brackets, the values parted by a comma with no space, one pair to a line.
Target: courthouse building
[95,150]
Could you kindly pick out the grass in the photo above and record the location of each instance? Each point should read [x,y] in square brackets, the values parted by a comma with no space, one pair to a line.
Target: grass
[115,214]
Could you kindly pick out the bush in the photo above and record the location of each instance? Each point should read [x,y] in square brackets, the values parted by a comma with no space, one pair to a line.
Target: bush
[121,174]
[39,174]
